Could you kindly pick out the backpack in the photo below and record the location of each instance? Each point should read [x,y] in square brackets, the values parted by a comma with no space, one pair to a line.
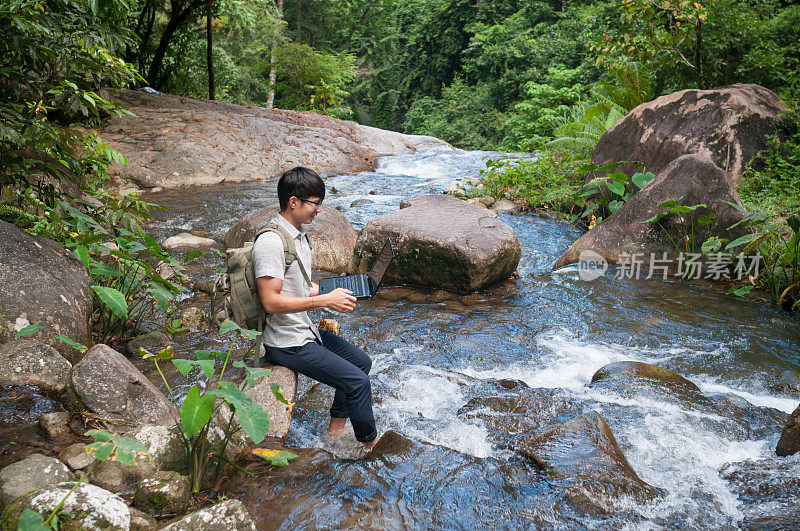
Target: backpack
[241,302]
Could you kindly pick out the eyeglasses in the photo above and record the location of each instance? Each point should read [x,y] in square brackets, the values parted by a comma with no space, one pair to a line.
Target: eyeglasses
[315,203]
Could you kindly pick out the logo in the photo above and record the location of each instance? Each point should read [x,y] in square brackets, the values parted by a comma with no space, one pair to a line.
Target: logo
[591,265]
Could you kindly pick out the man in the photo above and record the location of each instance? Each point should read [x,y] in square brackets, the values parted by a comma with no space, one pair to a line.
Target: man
[290,338]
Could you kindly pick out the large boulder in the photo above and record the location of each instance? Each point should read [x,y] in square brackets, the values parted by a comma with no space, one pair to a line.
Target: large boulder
[697,180]
[585,452]
[34,363]
[636,370]
[172,141]
[729,126]
[87,507]
[230,515]
[441,241]
[280,415]
[789,443]
[332,236]
[42,281]
[33,472]
[112,387]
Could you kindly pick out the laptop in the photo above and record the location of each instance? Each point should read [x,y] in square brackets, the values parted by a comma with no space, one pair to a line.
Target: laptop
[363,286]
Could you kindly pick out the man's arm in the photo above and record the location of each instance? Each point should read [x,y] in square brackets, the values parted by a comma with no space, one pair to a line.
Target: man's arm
[269,290]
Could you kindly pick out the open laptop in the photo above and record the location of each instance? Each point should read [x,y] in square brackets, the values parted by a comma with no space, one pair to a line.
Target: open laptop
[363,286]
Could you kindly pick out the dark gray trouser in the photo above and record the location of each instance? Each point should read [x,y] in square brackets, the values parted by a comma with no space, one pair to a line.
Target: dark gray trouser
[344,367]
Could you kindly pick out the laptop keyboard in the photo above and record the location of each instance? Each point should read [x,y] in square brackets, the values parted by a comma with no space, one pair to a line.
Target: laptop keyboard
[353,283]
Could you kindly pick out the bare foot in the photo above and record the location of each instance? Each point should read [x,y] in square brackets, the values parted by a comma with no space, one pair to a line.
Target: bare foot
[368,446]
[336,428]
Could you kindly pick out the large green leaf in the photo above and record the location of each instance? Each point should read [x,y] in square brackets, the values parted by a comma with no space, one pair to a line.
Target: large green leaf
[30,329]
[642,179]
[252,417]
[196,411]
[275,457]
[113,299]
[186,366]
[30,520]
[253,374]
[161,295]
[71,343]
[114,448]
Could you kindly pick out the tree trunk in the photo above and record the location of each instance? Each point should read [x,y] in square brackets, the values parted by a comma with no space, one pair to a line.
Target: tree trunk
[273,60]
[209,54]
[177,17]
[698,55]
[299,19]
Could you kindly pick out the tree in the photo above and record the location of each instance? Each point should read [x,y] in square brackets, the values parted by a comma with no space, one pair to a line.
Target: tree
[273,60]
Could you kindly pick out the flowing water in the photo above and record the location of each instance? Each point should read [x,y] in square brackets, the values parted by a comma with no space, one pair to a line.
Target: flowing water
[440,365]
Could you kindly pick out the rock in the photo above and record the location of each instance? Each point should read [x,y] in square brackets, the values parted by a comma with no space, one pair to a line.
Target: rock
[230,515]
[165,270]
[443,242]
[55,425]
[476,201]
[121,478]
[703,122]
[440,295]
[184,240]
[330,325]
[163,494]
[789,381]
[42,281]
[487,201]
[361,201]
[113,388]
[172,141]
[692,177]
[504,205]
[332,236]
[280,415]
[585,451]
[193,317]
[789,443]
[76,458]
[152,341]
[29,362]
[164,445]
[417,297]
[88,507]
[629,370]
[141,521]
[203,286]
[33,472]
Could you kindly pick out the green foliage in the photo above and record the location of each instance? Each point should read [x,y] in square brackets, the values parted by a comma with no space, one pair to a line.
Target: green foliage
[464,117]
[548,181]
[675,208]
[197,412]
[602,196]
[313,80]
[275,457]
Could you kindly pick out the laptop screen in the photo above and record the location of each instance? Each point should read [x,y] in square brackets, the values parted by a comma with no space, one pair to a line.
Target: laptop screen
[382,264]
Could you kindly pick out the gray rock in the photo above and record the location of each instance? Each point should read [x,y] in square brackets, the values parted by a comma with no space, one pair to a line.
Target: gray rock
[441,241]
[584,450]
[76,457]
[487,201]
[55,425]
[476,201]
[193,317]
[694,178]
[332,236]
[33,363]
[164,445]
[505,205]
[152,341]
[88,507]
[162,494]
[184,240]
[703,122]
[33,472]
[629,370]
[121,478]
[789,443]
[109,385]
[789,381]
[361,201]
[280,416]
[230,515]
[42,281]
[141,521]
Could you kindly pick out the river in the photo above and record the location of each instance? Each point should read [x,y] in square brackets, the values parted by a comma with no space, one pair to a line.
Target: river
[712,457]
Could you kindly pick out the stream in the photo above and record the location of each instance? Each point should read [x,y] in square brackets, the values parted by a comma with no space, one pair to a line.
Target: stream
[436,360]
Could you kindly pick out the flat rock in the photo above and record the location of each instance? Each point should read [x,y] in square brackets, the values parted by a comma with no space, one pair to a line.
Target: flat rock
[184,240]
[585,452]
[76,457]
[55,425]
[42,281]
[172,141]
[33,472]
[88,507]
[789,443]
[112,387]
[30,362]
[441,241]
[332,236]
[163,493]
[230,515]
[697,180]
[728,126]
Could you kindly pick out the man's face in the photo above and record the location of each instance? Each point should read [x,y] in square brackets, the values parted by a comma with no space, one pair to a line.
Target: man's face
[307,209]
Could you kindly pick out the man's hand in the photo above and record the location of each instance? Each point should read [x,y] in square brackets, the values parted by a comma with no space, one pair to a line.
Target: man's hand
[339,300]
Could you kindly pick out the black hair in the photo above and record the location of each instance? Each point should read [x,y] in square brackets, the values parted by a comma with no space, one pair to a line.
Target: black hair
[299,182]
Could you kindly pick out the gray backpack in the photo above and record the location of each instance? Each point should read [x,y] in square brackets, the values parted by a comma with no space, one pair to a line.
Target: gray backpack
[238,287]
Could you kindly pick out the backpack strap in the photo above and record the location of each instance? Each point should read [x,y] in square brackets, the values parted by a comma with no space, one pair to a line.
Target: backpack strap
[289,250]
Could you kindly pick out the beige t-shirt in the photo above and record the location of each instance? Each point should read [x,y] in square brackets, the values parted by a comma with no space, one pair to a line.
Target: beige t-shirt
[283,330]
